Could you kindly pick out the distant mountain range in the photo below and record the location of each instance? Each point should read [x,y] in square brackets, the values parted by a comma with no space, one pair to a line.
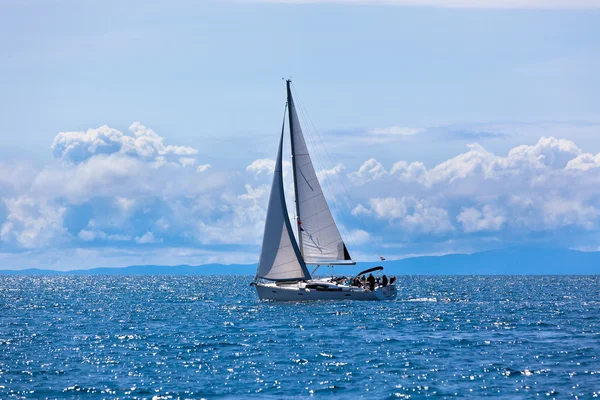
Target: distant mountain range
[515,261]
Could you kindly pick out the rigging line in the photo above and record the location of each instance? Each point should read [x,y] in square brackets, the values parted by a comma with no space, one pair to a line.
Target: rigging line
[328,184]
[322,165]
[351,203]
[349,198]
[345,232]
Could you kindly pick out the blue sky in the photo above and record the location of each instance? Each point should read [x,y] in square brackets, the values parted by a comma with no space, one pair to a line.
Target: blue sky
[134,133]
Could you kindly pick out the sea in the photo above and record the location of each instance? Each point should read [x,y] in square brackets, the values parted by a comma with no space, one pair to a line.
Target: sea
[171,337]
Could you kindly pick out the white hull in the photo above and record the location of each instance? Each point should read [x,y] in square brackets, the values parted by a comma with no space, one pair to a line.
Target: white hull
[299,291]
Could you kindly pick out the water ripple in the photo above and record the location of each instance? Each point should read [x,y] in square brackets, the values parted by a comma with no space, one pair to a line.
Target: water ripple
[189,337]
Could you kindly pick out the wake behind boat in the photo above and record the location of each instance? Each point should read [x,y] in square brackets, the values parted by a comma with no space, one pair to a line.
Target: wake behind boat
[282,272]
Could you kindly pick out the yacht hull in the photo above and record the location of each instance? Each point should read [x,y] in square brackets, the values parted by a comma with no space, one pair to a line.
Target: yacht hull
[295,292]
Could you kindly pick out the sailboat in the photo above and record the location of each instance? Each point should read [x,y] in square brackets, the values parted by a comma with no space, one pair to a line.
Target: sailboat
[282,272]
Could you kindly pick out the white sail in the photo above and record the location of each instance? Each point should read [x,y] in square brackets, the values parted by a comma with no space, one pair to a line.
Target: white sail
[319,236]
[280,258]
[281,261]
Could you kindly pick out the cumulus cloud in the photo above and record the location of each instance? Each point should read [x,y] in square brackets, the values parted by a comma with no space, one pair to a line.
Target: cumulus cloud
[370,170]
[324,174]
[559,211]
[130,193]
[546,186]
[143,143]
[15,177]
[119,176]
[90,235]
[261,166]
[584,162]
[548,153]
[241,220]
[266,166]
[360,209]
[147,238]
[415,215]
[119,180]
[486,219]
[33,222]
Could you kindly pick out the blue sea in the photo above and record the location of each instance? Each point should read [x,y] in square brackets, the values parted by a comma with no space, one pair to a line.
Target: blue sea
[209,337]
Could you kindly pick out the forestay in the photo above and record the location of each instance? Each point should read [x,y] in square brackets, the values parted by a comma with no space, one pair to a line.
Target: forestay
[320,238]
[280,257]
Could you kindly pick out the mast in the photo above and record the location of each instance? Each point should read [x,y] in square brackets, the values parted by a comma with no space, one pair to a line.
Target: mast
[290,104]
[280,258]
[319,237]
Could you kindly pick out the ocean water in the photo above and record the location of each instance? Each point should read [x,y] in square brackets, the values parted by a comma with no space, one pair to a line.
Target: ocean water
[194,337]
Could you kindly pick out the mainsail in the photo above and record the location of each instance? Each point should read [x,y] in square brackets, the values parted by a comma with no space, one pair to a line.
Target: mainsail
[280,258]
[318,234]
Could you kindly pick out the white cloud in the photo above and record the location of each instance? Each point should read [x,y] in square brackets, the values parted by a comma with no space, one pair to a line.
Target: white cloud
[147,238]
[558,212]
[33,222]
[510,4]
[360,209]
[584,162]
[114,177]
[260,166]
[370,170]
[134,196]
[415,171]
[121,176]
[124,203]
[324,174]
[548,153]
[415,215]
[486,219]
[188,162]
[15,177]
[266,166]
[242,219]
[541,187]
[90,235]
[145,144]
[203,167]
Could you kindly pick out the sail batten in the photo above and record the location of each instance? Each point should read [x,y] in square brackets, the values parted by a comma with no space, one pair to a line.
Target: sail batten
[318,235]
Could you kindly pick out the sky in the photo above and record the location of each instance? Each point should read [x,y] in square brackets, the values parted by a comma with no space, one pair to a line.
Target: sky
[145,133]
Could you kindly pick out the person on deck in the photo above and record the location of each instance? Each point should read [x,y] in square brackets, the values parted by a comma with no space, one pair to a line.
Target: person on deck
[371,281]
[384,281]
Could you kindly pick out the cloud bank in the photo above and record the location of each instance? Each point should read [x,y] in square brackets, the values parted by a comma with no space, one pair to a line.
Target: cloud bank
[130,193]
[545,187]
